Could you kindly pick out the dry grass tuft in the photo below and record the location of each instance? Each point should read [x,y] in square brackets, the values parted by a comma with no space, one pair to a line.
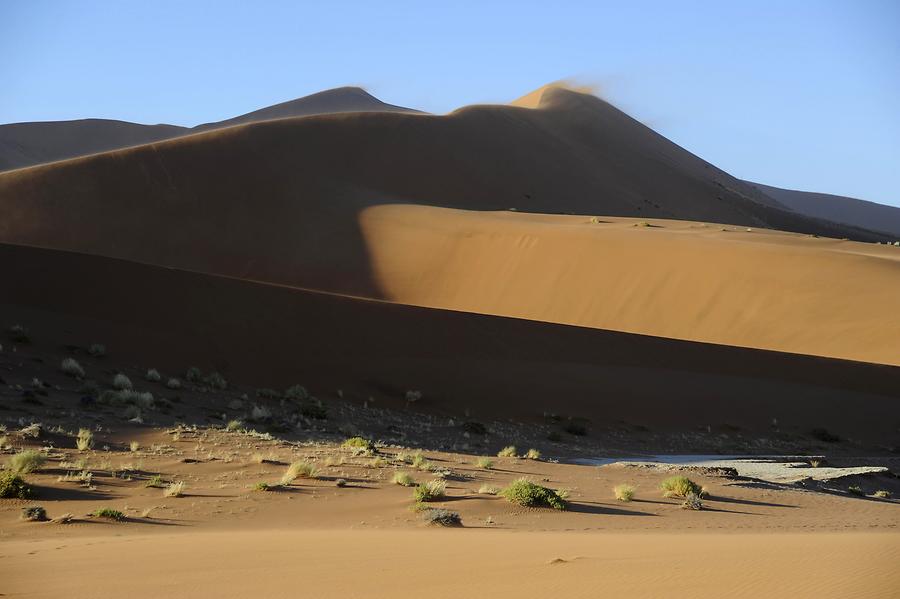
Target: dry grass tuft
[301,469]
[175,489]
[507,452]
[404,479]
[485,463]
[624,492]
[84,440]
[26,461]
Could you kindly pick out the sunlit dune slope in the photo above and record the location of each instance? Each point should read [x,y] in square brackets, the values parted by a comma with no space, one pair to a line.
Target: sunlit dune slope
[705,282]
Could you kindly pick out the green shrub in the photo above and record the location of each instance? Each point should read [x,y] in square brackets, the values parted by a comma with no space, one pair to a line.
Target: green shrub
[173,383]
[108,513]
[485,463]
[624,492]
[13,486]
[153,375]
[679,486]
[528,494]
[156,481]
[71,367]
[430,491]
[882,494]
[507,452]
[214,380]
[26,461]
[121,382]
[261,486]
[532,454]
[359,445]
[234,425]
[856,490]
[34,513]
[404,479]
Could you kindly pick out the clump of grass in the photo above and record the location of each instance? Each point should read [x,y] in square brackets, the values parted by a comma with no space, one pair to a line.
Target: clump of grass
[153,375]
[13,486]
[173,383]
[33,430]
[359,445]
[441,517]
[301,469]
[815,463]
[84,440]
[430,491]
[262,486]
[529,494]
[488,490]
[296,392]
[175,489]
[71,367]
[134,446]
[108,513]
[122,382]
[882,494]
[234,426]
[680,486]
[507,452]
[34,513]
[404,479]
[214,380]
[624,492]
[485,463]
[193,375]
[156,481]
[856,490]
[26,461]
[692,501]
[418,461]
[98,350]
[532,454]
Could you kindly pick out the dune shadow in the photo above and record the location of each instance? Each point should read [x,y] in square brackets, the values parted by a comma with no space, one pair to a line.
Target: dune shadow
[587,507]
[62,494]
[718,499]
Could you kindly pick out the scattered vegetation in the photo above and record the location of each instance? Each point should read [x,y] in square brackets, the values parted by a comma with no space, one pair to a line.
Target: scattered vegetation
[193,375]
[856,490]
[533,454]
[359,445]
[507,452]
[404,479]
[122,382]
[234,426]
[173,383]
[692,501]
[430,491]
[153,375]
[13,486]
[301,469]
[26,461]
[175,489]
[486,489]
[261,486]
[485,463]
[442,517]
[134,446]
[679,486]
[71,367]
[156,481]
[882,494]
[214,380]
[84,440]
[624,492]
[108,513]
[528,494]
[34,513]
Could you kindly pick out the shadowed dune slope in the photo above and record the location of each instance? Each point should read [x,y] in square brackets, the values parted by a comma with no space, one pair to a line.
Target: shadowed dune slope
[28,144]
[860,213]
[728,285]
[491,366]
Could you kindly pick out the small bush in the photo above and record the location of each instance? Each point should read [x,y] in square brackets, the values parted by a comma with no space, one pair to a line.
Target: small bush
[214,380]
[98,350]
[301,469]
[882,494]
[108,513]
[156,481]
[33,430]
[528,494]
[856,490]
[122,382]
[153,375]
[507,452]
[341,482]
[404,479]
[624,492]
[430,491]
[679,486]
[134,446]
[533,454]
[692,501]
[13,486]
[84,440]
[485,463]
[488,490]
[173,383]
[234,425]
[297,393]
[441,517]
[34,513]
[193,375]
[26,461]
[359,445]
[261,486]
[71,367]
[175,489]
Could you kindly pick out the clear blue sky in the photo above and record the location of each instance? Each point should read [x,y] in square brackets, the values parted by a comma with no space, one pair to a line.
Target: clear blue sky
[798,94]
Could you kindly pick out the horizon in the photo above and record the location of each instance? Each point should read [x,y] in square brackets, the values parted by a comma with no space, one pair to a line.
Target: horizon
[740,87]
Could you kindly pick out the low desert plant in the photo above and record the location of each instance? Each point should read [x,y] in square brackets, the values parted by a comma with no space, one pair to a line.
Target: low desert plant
[98,350]
[34,513]
[679,486]
[441,517]
[33,430]
[173,383]
[882,494]
[692,501]
[13,486]
[234,425]
[26,461]
[529,494]
[153,375]
[404,479]
[532,454]
[108,513]
[296,392]
[121,382]
[261,486]
[856,490]
[193,375]
[134,446]
[301,469]
[214,380]
[485,463]
[507,452]
[156,481]
[175,489]
[359,445]
[71,367]
[412,397]
[430,491]
[341,482]
[815,463]
[488,490]
[84,440]
[624,492]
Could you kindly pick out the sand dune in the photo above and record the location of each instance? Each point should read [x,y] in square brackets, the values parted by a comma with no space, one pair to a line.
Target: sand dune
[28,144]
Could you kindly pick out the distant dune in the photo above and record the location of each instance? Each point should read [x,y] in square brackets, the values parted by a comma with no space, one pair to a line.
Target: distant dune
[27,144]
[839,209]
